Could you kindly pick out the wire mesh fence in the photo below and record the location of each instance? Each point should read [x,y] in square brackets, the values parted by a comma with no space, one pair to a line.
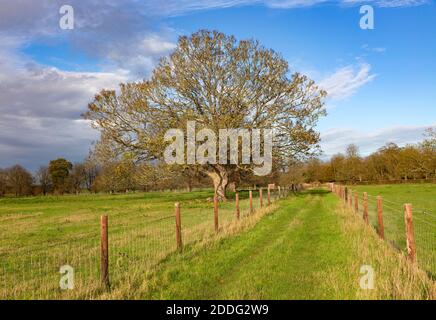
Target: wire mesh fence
[394,224]
[425,236]
[139,239]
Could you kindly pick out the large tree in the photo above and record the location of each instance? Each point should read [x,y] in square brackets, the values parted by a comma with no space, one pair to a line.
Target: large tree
[59,170]
[220,83]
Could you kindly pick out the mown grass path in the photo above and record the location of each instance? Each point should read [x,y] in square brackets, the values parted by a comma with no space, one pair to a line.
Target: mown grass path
[301,251]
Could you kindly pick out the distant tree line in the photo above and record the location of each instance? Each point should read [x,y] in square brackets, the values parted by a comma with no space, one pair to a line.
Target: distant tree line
[58,177]
[102,171]
[15,180]
[388,163]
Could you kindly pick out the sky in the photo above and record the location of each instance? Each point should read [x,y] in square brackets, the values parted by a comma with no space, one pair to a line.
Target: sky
[380,82]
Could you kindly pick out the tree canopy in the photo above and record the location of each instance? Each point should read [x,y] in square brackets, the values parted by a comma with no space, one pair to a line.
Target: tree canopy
[59,171]
[219,83]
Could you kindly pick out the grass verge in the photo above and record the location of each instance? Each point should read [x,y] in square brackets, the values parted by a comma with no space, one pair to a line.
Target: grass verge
[309,248]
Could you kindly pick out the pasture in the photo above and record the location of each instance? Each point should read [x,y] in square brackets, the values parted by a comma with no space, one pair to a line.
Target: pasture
[311,247]
[304,246]
[38,235]
[423,200]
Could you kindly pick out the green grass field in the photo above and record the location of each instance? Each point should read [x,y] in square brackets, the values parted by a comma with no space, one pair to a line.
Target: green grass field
[305,246]
[309,248]
[38,235]
[423,200]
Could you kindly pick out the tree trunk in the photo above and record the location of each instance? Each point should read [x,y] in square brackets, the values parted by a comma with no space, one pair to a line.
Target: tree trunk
[190,184]
[232,186]
[220,180]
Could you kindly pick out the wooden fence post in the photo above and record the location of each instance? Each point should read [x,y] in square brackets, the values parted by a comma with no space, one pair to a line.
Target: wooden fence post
[381,227]
[410,237]
[237,206]
[260,197]
[178,226]
[104,251]
[215,212]
[356,202]
[251,201]
[365,207]
[280,193]
[269,196]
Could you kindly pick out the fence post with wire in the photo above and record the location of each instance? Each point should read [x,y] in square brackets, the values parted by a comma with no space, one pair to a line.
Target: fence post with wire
[411,231]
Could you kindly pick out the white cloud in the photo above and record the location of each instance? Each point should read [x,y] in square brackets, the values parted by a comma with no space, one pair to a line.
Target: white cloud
[345,81]
[118,16]
[119,34]
[157,45]
[124,33]
[48,92]
[336,140]
[177,7]
[141,55]
[289,4]
[40,110]
[388,3]
[40,106]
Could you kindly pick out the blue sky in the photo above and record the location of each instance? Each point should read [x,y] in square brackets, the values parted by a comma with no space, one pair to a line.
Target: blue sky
[381,82]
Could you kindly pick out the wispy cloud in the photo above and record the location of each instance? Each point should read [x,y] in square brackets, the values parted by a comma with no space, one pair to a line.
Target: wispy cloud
[388,3]
[124,33]
[177,7]
[335,140]
[345,81]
